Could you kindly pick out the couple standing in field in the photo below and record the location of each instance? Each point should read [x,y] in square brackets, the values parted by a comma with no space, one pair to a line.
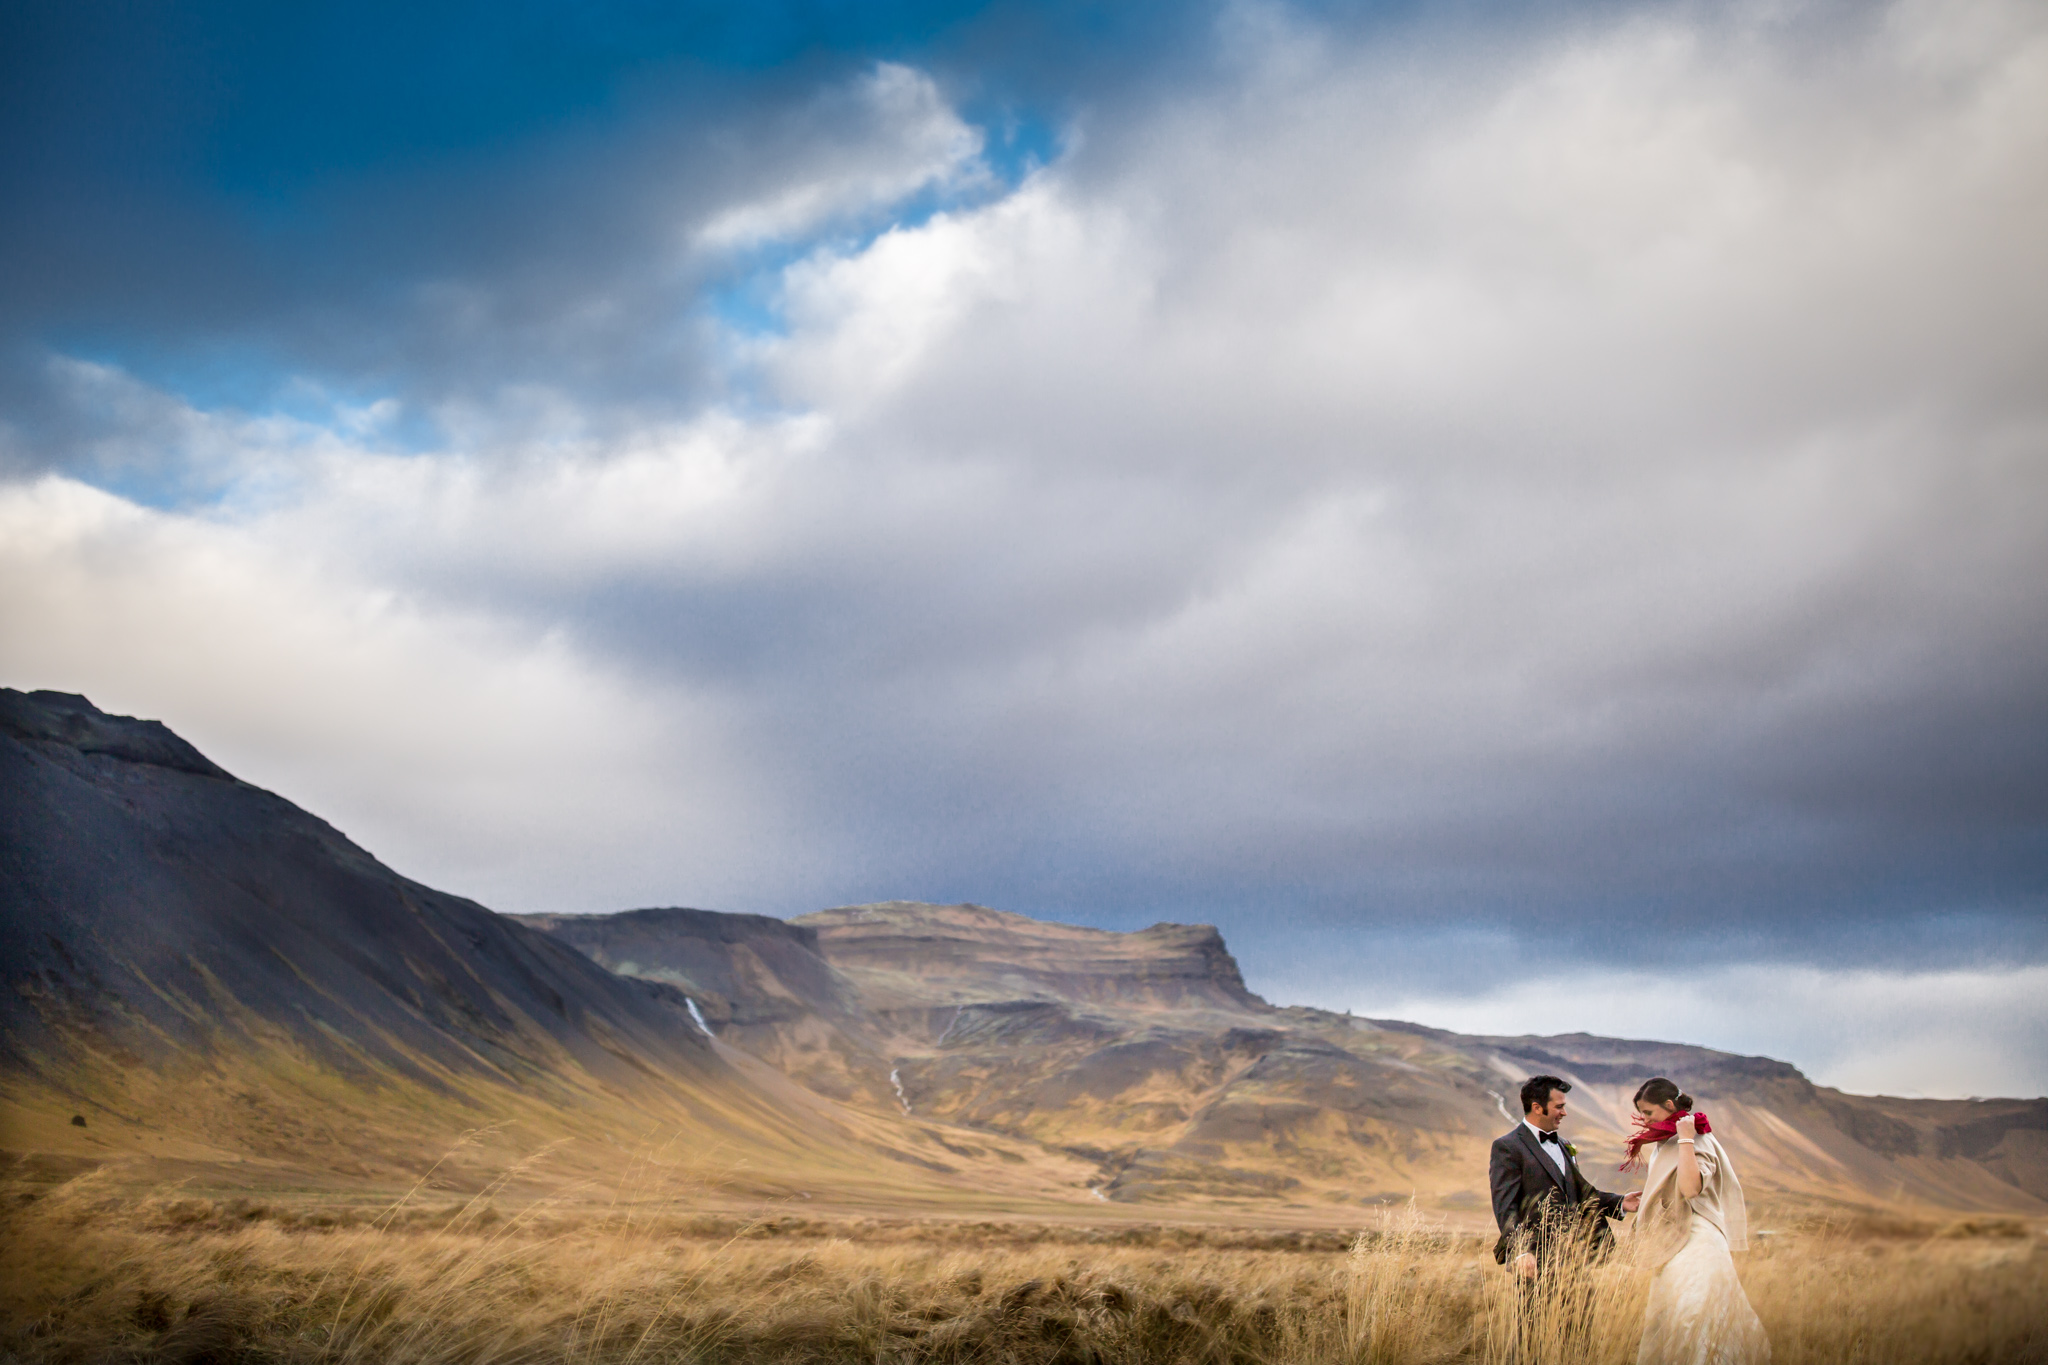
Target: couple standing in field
[1689,1217]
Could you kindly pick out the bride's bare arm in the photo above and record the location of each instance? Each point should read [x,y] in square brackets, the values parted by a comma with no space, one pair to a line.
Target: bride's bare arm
[1688,1163]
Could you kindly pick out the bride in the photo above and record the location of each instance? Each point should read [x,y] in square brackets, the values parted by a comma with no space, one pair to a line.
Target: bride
[1692,1217]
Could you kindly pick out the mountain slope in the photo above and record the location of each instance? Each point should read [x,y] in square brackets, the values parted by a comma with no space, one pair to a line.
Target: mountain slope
[158,905]
[200,971]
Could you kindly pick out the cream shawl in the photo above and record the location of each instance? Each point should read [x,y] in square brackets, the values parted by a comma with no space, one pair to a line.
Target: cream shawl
[1662,1225]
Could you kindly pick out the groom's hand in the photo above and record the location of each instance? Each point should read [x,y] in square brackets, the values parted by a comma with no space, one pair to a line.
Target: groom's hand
[1525,1266]
[1631,1201]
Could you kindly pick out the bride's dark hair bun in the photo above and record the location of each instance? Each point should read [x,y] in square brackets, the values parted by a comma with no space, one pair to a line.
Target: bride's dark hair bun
[1658,1090]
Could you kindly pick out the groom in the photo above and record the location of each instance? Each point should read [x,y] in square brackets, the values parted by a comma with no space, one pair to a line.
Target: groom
[1538,1192]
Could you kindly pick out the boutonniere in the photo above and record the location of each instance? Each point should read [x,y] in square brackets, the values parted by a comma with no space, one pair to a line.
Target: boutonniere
[1571,1151]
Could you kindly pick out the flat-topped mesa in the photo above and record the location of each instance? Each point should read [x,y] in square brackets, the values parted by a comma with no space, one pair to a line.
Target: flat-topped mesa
[910,955]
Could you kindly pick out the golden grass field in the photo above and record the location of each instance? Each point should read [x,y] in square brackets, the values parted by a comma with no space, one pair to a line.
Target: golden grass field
[95,1272]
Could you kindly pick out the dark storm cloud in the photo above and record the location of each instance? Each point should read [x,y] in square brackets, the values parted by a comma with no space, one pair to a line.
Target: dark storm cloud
[568,266]
[437,202]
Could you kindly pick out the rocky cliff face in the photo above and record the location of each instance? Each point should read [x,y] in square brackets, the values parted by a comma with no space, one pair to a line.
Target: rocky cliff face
[904,955]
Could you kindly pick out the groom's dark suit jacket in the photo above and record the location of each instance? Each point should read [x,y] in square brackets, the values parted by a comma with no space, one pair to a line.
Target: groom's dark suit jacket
[1527,1187]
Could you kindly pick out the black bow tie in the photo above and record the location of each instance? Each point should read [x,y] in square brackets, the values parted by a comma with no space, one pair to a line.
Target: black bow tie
[1548,1137]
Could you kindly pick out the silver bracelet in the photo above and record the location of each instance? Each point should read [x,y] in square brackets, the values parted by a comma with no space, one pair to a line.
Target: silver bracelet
[1685,1142]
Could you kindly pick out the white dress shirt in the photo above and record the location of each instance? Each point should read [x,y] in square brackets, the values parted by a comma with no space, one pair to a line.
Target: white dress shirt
[1553,1150]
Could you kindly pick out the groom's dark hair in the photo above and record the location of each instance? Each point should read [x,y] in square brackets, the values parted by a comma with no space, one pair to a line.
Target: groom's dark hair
[1536,1091]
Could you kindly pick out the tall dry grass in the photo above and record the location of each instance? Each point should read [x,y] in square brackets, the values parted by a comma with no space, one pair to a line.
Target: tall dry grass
[88,1275]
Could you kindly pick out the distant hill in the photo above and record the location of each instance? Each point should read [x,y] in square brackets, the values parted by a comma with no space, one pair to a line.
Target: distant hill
[1145,1053]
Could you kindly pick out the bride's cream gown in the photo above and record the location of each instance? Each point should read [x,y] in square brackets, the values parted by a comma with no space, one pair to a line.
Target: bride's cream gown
[1698,1314]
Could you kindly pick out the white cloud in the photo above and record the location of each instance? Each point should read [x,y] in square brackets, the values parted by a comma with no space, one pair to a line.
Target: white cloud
[136,436]
[565,515]
[905,138]
[473,752]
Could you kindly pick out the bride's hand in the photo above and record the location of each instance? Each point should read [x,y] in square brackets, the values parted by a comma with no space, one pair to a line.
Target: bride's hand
[1688,1126]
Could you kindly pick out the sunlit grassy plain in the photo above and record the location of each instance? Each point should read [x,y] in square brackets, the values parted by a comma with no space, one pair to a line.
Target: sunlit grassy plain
[90,1271]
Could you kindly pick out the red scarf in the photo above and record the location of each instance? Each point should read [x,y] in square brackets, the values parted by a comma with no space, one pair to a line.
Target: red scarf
[1659,1130]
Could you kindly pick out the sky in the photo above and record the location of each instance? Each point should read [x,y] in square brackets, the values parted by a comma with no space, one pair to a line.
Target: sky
[1528,517]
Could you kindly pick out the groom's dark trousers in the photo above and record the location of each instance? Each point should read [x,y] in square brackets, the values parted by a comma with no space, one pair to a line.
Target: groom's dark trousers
[1548,1212]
